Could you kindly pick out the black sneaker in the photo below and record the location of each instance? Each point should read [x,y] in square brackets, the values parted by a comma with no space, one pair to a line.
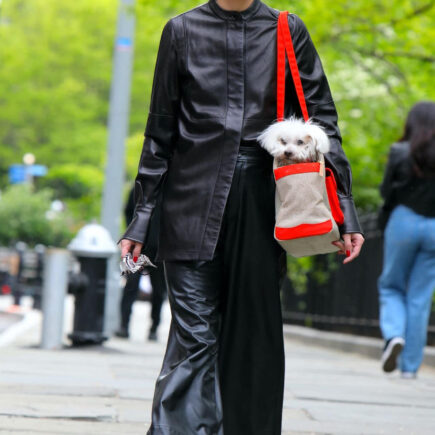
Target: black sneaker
[392,350]
[152,336]
[122,333]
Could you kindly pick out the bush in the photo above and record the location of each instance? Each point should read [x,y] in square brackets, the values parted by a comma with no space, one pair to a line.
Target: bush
[79,186]
[25,216]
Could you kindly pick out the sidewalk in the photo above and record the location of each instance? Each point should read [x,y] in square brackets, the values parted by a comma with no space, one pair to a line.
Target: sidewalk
[108,390]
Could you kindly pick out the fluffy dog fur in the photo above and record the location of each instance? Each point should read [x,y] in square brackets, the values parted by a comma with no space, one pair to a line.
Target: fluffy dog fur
[294,141]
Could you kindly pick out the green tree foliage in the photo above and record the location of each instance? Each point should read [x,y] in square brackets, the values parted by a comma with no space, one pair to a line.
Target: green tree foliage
[54,79]
[25,216]
[55,74]
[379,59]
[77,186]
[56,62]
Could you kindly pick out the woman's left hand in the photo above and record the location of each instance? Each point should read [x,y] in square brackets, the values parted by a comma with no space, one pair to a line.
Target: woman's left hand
[350,246]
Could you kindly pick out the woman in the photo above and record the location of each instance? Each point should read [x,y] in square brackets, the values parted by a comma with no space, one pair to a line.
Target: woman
[408,277]
[214,91]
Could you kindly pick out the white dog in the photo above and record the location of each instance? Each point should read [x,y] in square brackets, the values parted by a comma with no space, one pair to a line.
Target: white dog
[294,141]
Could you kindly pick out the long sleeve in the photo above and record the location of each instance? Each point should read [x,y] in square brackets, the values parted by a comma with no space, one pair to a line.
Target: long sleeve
[321,109]
[386,187]
[396,179]
[386,190]
[160,135]
[129,207]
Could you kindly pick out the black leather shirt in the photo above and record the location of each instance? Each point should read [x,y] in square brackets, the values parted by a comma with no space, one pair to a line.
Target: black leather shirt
[401,186]
[215,88]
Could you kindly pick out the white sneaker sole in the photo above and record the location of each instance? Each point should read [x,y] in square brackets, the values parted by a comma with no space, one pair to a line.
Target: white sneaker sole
[389,357]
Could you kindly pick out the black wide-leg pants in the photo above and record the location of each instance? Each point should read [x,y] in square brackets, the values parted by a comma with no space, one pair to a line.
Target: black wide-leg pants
[223,371]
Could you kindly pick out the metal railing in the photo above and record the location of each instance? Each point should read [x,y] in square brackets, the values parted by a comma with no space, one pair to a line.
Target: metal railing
[347,300]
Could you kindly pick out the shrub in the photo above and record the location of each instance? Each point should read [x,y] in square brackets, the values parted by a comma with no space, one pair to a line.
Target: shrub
[25,215]
[79,186]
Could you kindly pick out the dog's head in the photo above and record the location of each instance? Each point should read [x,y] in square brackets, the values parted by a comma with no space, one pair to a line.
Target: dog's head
[294,139]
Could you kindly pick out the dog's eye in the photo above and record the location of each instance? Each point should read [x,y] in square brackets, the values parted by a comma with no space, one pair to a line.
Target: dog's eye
[283,141]
[300,142]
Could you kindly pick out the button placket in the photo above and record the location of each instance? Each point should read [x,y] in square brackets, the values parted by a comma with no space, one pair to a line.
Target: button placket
[233,124]
[235,97]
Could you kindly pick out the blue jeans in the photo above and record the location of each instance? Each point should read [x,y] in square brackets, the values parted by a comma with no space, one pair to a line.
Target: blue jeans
[407,282]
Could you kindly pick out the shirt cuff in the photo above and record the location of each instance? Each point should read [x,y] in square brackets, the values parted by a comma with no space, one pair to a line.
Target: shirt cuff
[351,222]
[137,230]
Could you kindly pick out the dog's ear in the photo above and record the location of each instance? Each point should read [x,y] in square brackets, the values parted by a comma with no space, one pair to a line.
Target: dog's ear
[265,138]
[320,138]
[268,137]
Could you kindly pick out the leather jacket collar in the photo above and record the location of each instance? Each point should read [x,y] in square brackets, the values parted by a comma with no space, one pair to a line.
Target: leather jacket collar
[235,15]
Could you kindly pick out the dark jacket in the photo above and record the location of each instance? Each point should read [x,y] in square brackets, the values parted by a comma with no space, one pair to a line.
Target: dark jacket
[129,207]
[401,185]
[215,88]
[151,240]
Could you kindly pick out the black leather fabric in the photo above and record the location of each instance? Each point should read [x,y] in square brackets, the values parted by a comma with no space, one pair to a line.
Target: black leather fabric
[401,186]
[215,88]
[223,371]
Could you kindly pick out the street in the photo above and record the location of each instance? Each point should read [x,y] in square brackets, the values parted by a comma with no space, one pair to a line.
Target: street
[108,390]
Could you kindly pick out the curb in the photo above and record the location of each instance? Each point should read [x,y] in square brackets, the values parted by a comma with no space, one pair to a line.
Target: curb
[29,321]
[366,346]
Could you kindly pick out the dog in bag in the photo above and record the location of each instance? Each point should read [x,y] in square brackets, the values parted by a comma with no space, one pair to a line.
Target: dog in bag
[294,141]
[307,208]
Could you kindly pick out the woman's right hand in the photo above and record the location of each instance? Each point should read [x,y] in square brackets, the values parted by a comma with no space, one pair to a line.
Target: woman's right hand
[131,246]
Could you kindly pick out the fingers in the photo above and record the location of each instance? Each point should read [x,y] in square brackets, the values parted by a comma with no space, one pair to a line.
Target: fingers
[347,244]
[131,246]
[126,247]
[136,251]
[357,241]
[340,246]
[350,246]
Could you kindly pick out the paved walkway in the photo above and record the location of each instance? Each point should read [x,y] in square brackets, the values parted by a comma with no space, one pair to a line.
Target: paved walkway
[108,390]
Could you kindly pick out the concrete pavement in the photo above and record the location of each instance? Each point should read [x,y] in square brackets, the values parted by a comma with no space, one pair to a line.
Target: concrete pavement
[108,390]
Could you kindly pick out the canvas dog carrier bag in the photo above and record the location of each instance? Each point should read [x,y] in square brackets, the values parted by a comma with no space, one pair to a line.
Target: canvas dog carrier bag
[307,209]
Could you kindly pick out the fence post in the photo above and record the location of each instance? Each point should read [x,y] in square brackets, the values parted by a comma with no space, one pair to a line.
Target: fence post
[54,285]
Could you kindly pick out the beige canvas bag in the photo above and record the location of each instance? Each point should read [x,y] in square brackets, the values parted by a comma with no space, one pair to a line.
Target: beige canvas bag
[307,217]
[307,208]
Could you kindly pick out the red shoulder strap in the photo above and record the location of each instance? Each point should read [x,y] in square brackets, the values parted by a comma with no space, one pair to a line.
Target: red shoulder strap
[285,45]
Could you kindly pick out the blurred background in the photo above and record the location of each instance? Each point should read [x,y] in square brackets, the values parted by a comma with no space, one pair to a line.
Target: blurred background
[55,74]
[55,79]
[70,140]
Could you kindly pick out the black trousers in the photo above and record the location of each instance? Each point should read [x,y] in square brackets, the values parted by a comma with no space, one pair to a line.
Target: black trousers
[223,371]
[158,294]
[129,295]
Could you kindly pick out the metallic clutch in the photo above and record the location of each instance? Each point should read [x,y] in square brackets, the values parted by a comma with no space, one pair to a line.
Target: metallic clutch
[128,266]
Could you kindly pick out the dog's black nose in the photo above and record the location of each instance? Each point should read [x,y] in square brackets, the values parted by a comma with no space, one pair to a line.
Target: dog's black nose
[288,153]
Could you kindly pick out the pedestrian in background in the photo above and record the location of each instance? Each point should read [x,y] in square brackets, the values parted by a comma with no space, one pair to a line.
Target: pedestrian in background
[407,281]
[131,288]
